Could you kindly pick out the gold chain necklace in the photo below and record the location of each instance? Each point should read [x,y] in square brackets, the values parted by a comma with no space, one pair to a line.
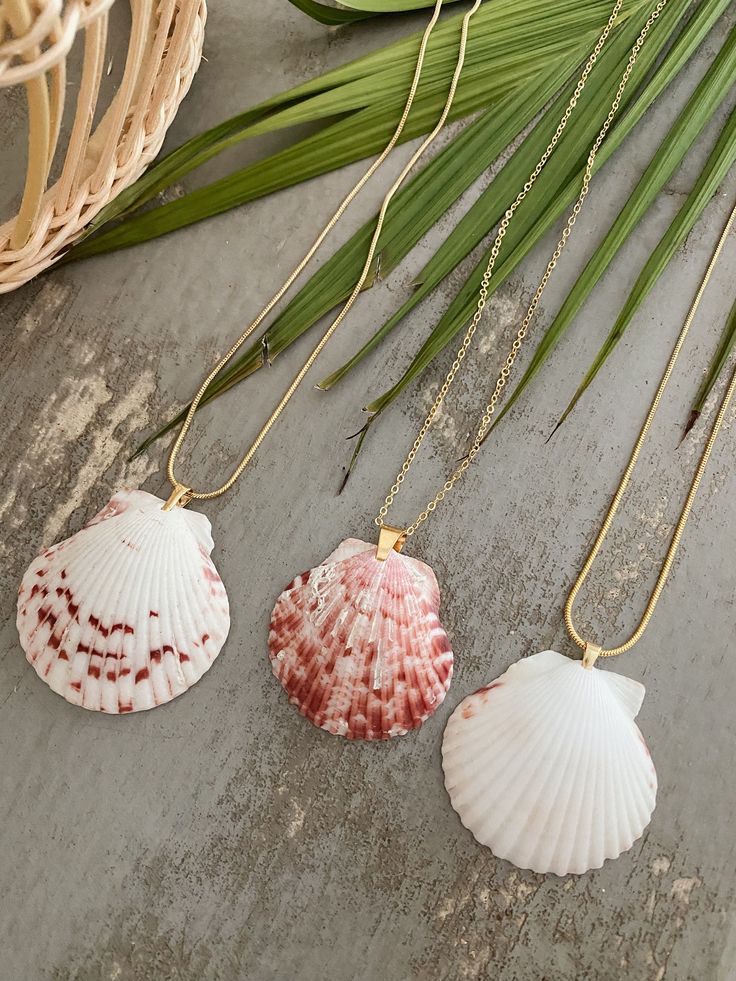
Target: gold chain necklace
[130,612]
[357,642]
[593,651]
[566,780]
[483,294]
[182,494]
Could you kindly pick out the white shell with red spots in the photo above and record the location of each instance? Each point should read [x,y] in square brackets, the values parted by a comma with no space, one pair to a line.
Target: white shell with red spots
[129,612]
[547,767]
[358,644]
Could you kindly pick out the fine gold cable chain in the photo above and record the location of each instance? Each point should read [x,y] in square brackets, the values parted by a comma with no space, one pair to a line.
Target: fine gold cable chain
[685,513]
[483,293]
[183,494]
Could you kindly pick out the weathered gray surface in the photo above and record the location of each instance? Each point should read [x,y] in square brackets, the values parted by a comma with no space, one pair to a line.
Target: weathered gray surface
[222,837]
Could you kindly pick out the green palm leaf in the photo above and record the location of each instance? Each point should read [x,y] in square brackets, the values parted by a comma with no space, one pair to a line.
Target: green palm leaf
[415,210]
[389,6]
[719,163]
[723,353]
[334,16]
[558,186]
[453,170]
[563,169]
[357,106]
[520,56]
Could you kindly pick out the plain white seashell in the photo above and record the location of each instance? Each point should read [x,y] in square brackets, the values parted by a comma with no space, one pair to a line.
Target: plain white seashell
[129,612]
[547,767]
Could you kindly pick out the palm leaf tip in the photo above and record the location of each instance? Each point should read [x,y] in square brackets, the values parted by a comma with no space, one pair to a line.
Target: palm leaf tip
[329,16]
[347,12]
[689,425]
[361,435]
[701,107]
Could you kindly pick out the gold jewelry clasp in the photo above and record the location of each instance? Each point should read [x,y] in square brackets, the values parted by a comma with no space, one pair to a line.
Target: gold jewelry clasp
[179,498]
[591,655]
[390,539]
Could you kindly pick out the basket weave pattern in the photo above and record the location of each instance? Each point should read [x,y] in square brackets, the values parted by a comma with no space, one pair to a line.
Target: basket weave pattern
[164,52]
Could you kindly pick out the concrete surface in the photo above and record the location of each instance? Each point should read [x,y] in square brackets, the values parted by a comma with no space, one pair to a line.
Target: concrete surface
[222,837]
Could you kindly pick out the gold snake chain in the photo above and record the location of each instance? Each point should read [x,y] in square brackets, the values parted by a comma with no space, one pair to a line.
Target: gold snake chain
[483,294]
[183,494]
[592,650]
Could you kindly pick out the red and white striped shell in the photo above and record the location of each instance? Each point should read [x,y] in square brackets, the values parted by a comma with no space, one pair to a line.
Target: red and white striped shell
[129,612]
[358,645]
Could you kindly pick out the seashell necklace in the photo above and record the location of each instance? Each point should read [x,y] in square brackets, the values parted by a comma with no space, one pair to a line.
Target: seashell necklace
[546,765]
[357,642]
[130,612]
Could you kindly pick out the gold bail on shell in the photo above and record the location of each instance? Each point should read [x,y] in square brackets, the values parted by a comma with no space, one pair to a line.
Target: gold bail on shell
[179,497]
[591,655]
[390,539]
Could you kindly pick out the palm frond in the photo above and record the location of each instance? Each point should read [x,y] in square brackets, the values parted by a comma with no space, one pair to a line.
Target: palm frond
[717,166]
[355,108]
[720,358]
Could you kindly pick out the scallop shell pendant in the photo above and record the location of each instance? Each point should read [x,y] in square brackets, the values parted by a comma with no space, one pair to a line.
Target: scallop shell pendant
[547,767]
[129,612]
[358,645]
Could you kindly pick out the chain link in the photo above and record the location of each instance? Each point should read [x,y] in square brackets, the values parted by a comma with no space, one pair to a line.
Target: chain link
[483,293]
[685,514]
[207,495]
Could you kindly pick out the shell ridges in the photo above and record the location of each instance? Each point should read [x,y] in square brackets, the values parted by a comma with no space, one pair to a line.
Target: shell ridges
[358,645]
[547,767]
[129,612]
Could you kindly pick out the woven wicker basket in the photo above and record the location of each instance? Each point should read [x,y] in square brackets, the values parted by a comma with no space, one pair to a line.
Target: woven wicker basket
[36,37]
